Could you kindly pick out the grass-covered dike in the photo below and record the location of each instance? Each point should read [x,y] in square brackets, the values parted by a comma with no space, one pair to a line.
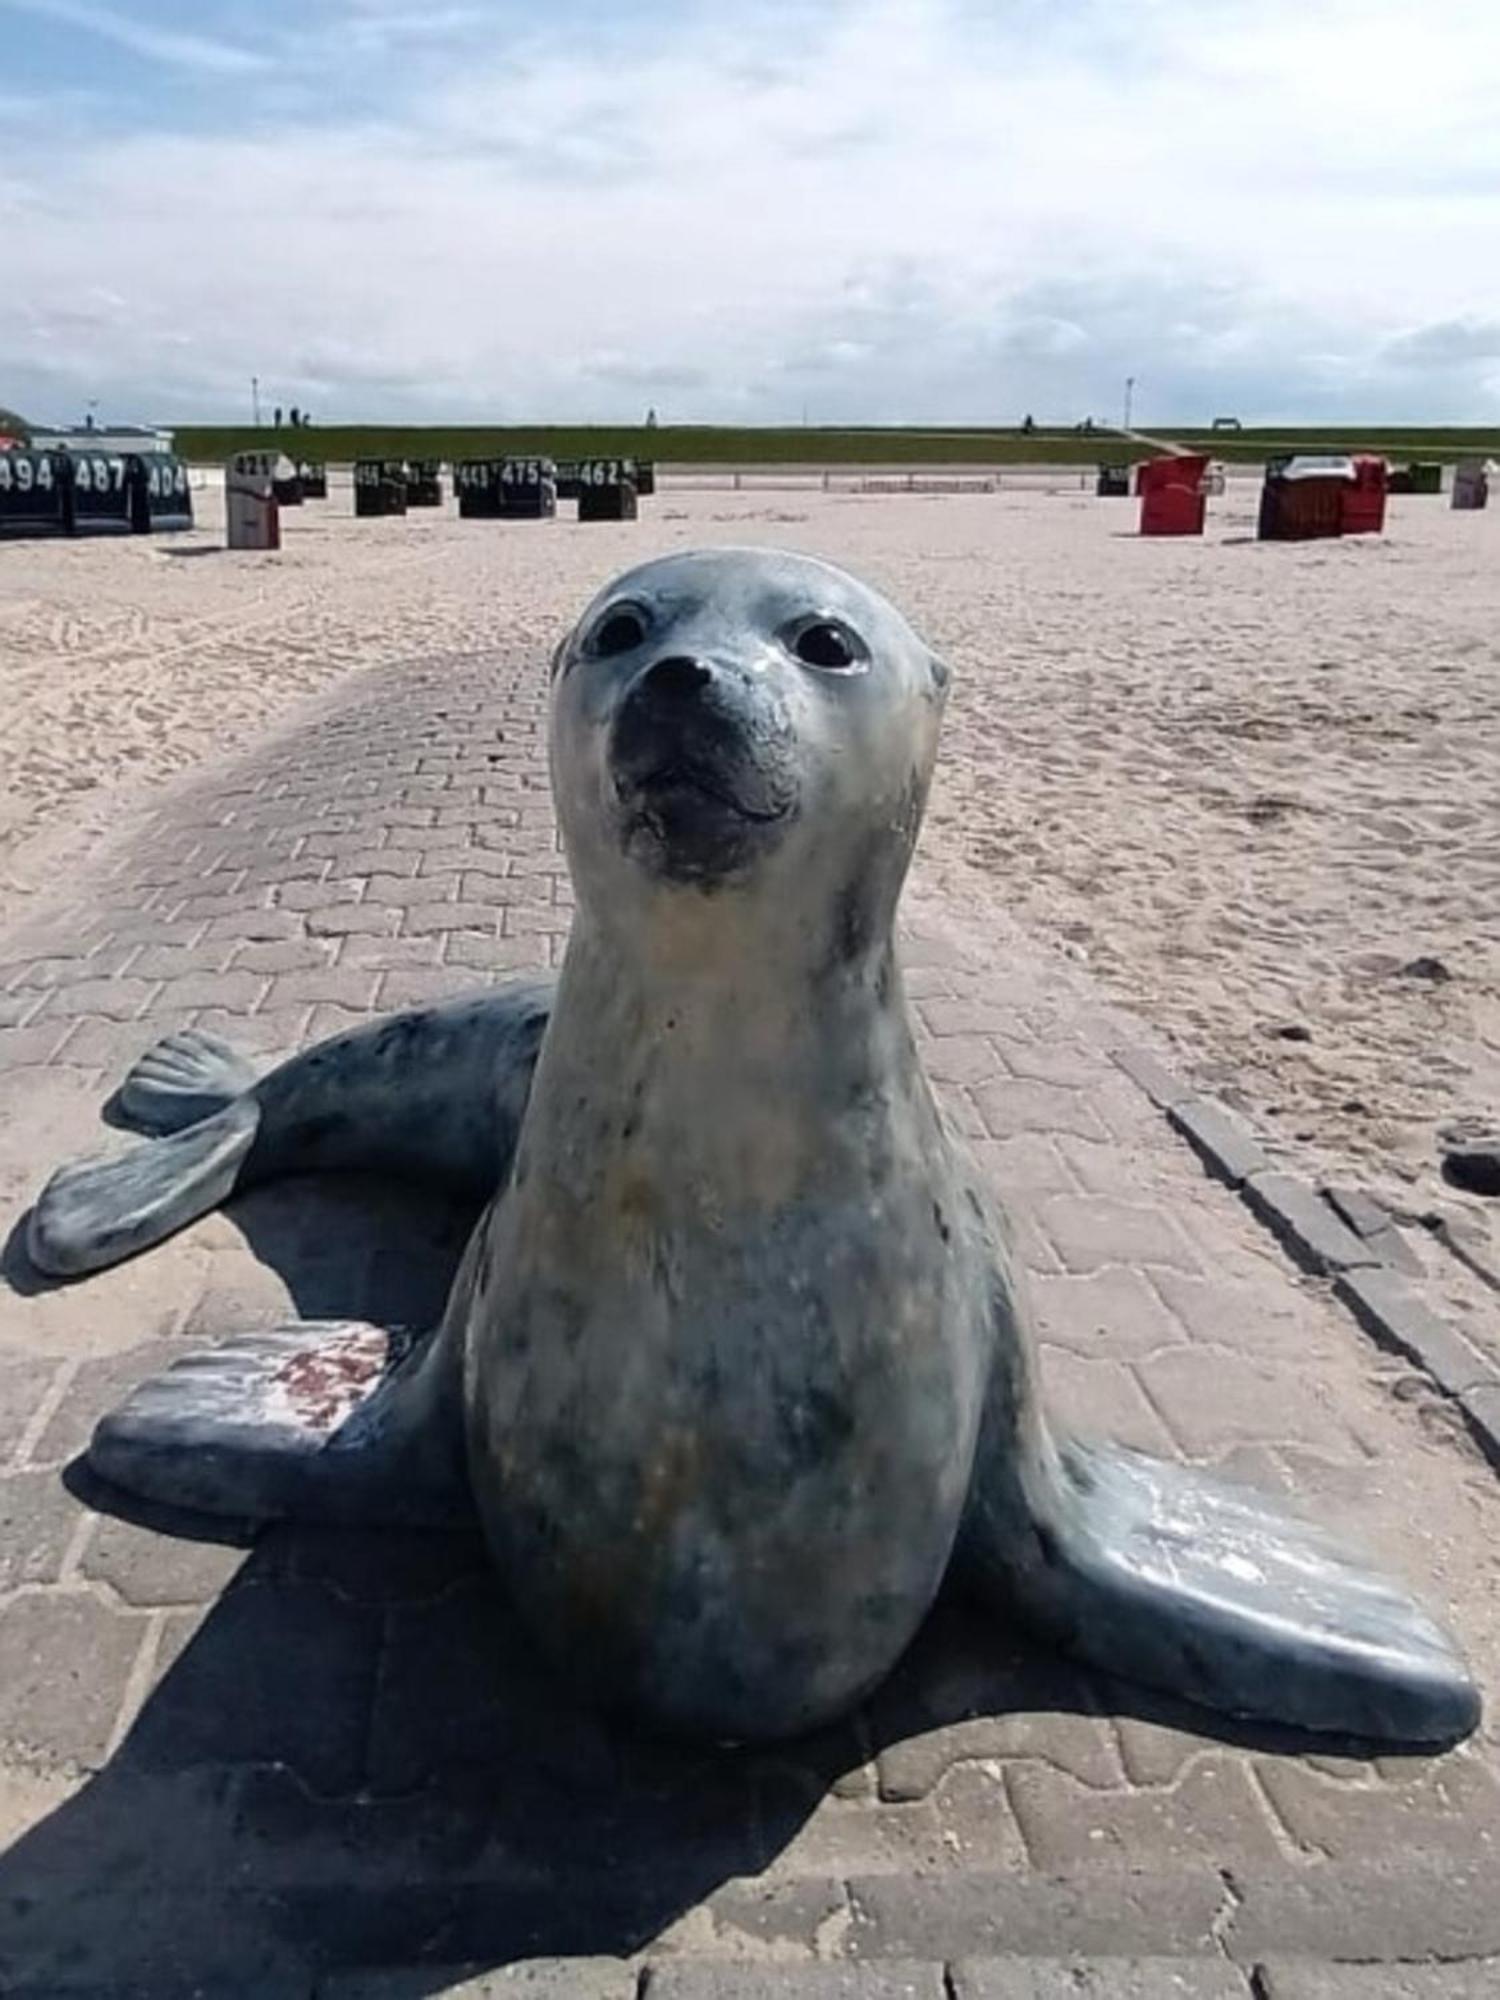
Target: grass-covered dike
[709,445]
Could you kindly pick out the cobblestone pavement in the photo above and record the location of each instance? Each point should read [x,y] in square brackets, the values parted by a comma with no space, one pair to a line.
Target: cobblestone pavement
[234,1763]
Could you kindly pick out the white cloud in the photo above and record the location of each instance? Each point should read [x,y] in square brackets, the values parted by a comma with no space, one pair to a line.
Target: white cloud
[892,209]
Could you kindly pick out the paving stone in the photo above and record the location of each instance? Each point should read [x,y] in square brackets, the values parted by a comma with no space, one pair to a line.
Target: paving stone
[419,919]
[1220,1141]
[391,954]
[500,1713]
[338,986]
[494,956]
[284,955]
[675,1980]
[1404,1908]
[1104,1168]
[966,1822]
[1393,1314]
[1305,1979]
[1305,1224]
[1212,1400]
[353,920]
[258,925]
[1023,1169]
[419,987]
[296,897]
[539,1978]
[121,999]
[516,920]
[37,1519]
[1160,1084]
[163,1565]
[1111,1314]
[277,1672]
[1213,1809]
[1481,1406]
[1012,1107]
[968,1689]
[1226,1312]
[1100,1979]
[23,1384]
[18,1009]
[237,992]
[1103,1399]
[38,1043]
[64,1662]
[1091,1230]
[1451,1805]
[1106,1910]
[1068,1064]
[961,1059]
[177,961]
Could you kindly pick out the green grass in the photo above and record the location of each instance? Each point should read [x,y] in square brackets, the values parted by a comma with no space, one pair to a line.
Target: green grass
[692,444]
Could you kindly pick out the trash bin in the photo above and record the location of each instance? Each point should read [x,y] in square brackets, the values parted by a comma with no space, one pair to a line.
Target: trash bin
[33,493]
[379,487]
[100,493]
[252,513]
[477,483]
[1303,498]
[424,482]
[1174,500]
[314,478]
[1471,485]
[1113,482]
[1364,498]
[161,494]
[614,502]
[528,489]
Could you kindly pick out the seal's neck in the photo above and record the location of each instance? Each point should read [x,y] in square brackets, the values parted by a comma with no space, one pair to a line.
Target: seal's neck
[749,1072]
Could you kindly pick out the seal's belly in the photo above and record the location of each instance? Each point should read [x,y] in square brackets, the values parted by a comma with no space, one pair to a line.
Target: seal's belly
[725,1497]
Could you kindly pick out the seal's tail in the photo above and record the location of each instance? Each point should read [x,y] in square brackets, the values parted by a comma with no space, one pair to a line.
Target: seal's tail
[101,1211]
[1159,1574]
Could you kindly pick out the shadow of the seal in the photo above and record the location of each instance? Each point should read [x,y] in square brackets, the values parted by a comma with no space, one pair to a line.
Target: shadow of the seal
[354,1758]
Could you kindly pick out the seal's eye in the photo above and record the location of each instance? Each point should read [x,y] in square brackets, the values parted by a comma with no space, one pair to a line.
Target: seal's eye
[622,628]
[827,643]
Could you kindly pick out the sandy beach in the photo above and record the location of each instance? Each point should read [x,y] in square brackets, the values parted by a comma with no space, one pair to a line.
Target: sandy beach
[1252,788]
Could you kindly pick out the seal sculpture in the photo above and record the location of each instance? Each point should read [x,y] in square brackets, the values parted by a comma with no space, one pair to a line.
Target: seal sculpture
[735,1369]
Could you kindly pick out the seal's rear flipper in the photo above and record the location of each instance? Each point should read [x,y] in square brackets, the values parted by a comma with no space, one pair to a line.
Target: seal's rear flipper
[101,1211]
[319,1420]
[1157,1573]
[181,1079]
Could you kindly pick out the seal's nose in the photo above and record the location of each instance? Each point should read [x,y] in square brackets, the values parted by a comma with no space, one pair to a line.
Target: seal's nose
[674,681]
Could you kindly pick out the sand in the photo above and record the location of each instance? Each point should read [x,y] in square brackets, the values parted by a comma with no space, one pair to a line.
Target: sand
[1247,786]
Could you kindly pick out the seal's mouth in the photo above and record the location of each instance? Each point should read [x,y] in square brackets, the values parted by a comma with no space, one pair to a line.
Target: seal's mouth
[686,820]
[676,775]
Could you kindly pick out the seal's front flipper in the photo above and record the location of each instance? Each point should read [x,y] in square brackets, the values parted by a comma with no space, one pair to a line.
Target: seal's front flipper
[101,1211]
[181,1079]
[319,1420]
[1160,1574]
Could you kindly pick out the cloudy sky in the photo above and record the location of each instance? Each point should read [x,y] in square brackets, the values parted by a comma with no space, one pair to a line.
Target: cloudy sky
[909,211]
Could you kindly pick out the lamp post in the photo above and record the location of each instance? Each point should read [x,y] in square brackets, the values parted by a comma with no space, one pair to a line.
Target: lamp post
[1129,393]
[255,398]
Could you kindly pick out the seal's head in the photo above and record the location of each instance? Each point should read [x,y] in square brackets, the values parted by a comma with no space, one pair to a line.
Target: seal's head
[733,719]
